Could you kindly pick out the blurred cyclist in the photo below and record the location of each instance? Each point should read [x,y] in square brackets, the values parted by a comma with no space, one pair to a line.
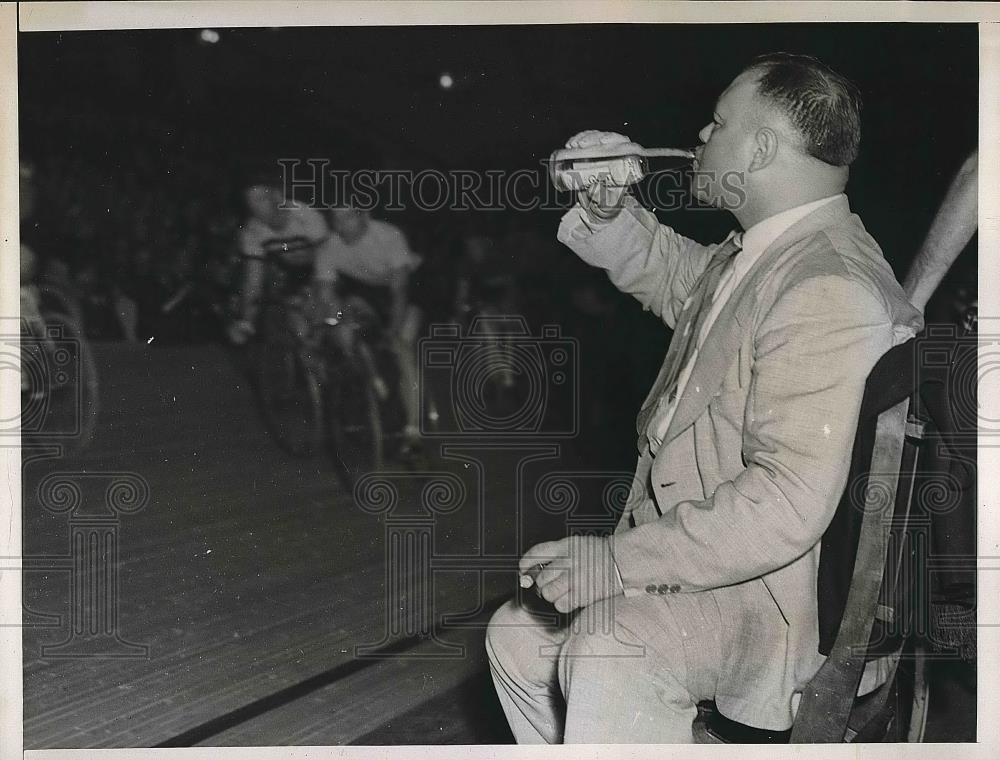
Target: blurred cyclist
[363,272]
[485,280]
[276,227]
[486,287]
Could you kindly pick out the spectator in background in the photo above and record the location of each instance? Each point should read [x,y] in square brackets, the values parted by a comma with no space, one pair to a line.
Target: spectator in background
[954,225]
[100,297]
[108,198]
[485,279]
[952,404]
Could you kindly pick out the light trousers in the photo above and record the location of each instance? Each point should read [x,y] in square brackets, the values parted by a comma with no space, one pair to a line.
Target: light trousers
[624,670]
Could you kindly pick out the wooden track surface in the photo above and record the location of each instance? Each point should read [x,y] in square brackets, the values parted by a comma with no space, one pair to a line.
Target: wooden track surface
[251,575]
[246,573]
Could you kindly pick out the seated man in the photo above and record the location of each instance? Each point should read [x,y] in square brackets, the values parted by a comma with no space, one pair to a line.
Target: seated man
[707,589]
[364,271]
[280,228]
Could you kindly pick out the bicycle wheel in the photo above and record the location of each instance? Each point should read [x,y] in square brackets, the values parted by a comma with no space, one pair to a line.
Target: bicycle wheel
[354,418]
[62,399]
[287,387]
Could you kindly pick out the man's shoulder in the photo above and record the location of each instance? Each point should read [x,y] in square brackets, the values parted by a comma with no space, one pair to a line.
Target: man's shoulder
[840,248]
[844,253]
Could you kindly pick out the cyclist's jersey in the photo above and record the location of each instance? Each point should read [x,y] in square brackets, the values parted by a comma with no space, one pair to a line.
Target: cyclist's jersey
[286,246]
[372,259]
[365,268]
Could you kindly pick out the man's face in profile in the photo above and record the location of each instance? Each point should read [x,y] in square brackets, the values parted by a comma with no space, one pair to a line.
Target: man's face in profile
[720,164]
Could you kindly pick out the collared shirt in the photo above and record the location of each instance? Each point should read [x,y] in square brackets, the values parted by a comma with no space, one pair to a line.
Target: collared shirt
[752,243]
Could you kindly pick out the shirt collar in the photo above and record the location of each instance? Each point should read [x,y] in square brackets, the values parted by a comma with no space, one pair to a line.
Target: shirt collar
[759,237]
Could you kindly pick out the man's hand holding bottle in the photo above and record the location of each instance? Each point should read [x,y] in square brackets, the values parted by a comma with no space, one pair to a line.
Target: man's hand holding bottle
[601,201]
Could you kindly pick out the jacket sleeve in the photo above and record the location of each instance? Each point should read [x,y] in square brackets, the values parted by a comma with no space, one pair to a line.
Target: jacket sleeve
[641,256]
[813,352]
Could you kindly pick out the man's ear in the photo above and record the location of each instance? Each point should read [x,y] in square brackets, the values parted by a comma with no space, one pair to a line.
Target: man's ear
[765,149]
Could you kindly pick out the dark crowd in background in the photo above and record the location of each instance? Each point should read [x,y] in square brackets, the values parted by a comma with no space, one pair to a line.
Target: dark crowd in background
[137,157]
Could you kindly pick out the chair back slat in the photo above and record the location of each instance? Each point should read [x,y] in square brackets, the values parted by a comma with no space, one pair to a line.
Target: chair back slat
[863,550]
[827,701]
[861,581]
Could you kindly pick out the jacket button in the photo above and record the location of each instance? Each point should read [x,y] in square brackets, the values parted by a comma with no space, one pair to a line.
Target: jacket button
[651,588]
[662,589]
[675,589]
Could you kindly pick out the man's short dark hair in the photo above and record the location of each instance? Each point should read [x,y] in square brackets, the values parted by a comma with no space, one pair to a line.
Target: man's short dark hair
[824,106]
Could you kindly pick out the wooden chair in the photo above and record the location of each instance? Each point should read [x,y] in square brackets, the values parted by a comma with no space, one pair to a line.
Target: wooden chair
[865,599]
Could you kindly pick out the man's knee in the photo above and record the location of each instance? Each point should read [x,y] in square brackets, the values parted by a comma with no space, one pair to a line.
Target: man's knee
[518,640]
[502,633]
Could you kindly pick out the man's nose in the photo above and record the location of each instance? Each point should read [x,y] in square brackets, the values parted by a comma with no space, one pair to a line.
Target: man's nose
[706,132]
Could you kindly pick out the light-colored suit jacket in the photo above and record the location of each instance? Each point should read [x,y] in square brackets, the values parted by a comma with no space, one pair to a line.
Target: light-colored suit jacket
[755,458]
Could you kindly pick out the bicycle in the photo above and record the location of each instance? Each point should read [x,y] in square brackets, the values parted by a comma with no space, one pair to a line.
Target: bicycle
[314,392]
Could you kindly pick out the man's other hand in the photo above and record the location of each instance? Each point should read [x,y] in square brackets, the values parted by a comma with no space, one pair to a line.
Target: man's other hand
[575,572]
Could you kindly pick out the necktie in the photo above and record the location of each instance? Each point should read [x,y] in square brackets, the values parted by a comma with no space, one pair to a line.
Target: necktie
[688,327]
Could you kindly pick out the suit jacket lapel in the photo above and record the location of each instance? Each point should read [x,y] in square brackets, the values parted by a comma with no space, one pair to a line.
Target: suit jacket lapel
[657,389]
[721,344]
[714,357]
